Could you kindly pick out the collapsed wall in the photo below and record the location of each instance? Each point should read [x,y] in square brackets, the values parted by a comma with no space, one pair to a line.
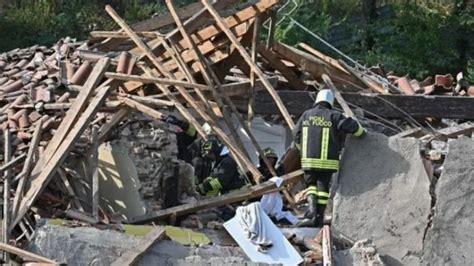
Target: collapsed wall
[450,239]
[383,194]
[153,150]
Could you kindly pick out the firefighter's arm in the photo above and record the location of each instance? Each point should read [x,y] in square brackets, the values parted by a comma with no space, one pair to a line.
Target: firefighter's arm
[350,126]
[297,132]
[218,179]
[184,125]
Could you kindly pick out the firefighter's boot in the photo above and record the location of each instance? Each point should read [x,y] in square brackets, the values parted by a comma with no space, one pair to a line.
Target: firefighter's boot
[309,219]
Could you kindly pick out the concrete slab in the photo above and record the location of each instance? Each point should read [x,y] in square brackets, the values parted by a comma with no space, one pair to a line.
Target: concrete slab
[383,195]
[450,239]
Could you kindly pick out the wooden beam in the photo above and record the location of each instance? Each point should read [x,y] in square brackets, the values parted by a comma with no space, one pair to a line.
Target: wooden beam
[12,163]
[142,108]
[271,28]
[40,183]
[147,51]
[206,48]
[329,60]
[339,98]
[132,255]
[232,197]
[221,134]
[225,28]
[250,113]
[117,117]
[327,246]
[72,115]
[149,80]
[388,106]
[465,128]
[278,65]
[27,167]
[210,79]
[367,82]
[209,32]
[76,202]
[205,70]
[6,219]
[26,254]
[316,67]
[94,166]
[118,35]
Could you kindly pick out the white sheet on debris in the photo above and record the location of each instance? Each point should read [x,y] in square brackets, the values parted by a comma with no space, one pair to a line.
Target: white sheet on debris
[281,252]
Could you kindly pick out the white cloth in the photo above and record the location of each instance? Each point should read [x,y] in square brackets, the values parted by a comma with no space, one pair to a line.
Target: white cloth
[224,151]
[272,204]
[277,180]
[250,218]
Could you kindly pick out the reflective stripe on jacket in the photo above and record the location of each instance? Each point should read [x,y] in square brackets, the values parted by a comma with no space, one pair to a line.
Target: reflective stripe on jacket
[319,134]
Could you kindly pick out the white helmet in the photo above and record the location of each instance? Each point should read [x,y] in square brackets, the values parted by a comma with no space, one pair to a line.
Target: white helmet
[207,128]
[325,96]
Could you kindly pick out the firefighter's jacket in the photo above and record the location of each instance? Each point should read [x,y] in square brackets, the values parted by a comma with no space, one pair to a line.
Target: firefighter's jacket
[185,138]
[223,178]
[319,135]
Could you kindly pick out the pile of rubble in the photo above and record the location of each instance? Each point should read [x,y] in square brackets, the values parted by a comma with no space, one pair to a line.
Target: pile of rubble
[84,139]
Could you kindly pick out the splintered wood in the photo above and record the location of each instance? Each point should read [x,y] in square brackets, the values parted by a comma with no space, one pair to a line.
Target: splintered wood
[203,60]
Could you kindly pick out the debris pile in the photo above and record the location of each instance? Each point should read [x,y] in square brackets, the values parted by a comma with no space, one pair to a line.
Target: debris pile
[84,140]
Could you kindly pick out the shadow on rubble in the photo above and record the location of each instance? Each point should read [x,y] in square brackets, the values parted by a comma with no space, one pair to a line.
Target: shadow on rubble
[369,162]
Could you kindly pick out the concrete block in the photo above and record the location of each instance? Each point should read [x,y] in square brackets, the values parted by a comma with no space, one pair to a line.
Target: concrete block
[450,240]
[383,195]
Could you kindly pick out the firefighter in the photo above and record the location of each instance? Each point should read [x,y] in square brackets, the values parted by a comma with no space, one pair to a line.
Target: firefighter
[185,136]
[319,135]
[224,175]
[272,157]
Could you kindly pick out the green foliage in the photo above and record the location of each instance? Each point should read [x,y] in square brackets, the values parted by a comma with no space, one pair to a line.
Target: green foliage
[43,22]
[419,39]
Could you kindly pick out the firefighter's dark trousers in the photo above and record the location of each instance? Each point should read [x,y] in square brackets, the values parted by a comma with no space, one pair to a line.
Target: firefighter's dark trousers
[318,183]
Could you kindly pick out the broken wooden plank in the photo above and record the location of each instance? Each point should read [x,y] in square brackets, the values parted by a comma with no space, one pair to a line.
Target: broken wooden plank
[25,254]
[327,246]
[225,28]
[374,86]
[316,67]
[131,256]
[94,166]
[418,106]
[117,117]
[6,219]
[232,197]
[278,65]
[149,80]
[221,134]
[329,60]
[147,51]
[211,31]
[255,32]
[12,163]
[27,167]
[40,183]
[143,108]
[118,35]
[206,70]
[70,190]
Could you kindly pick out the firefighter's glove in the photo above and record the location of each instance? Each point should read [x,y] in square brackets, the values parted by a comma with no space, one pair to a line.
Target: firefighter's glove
[171,119]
